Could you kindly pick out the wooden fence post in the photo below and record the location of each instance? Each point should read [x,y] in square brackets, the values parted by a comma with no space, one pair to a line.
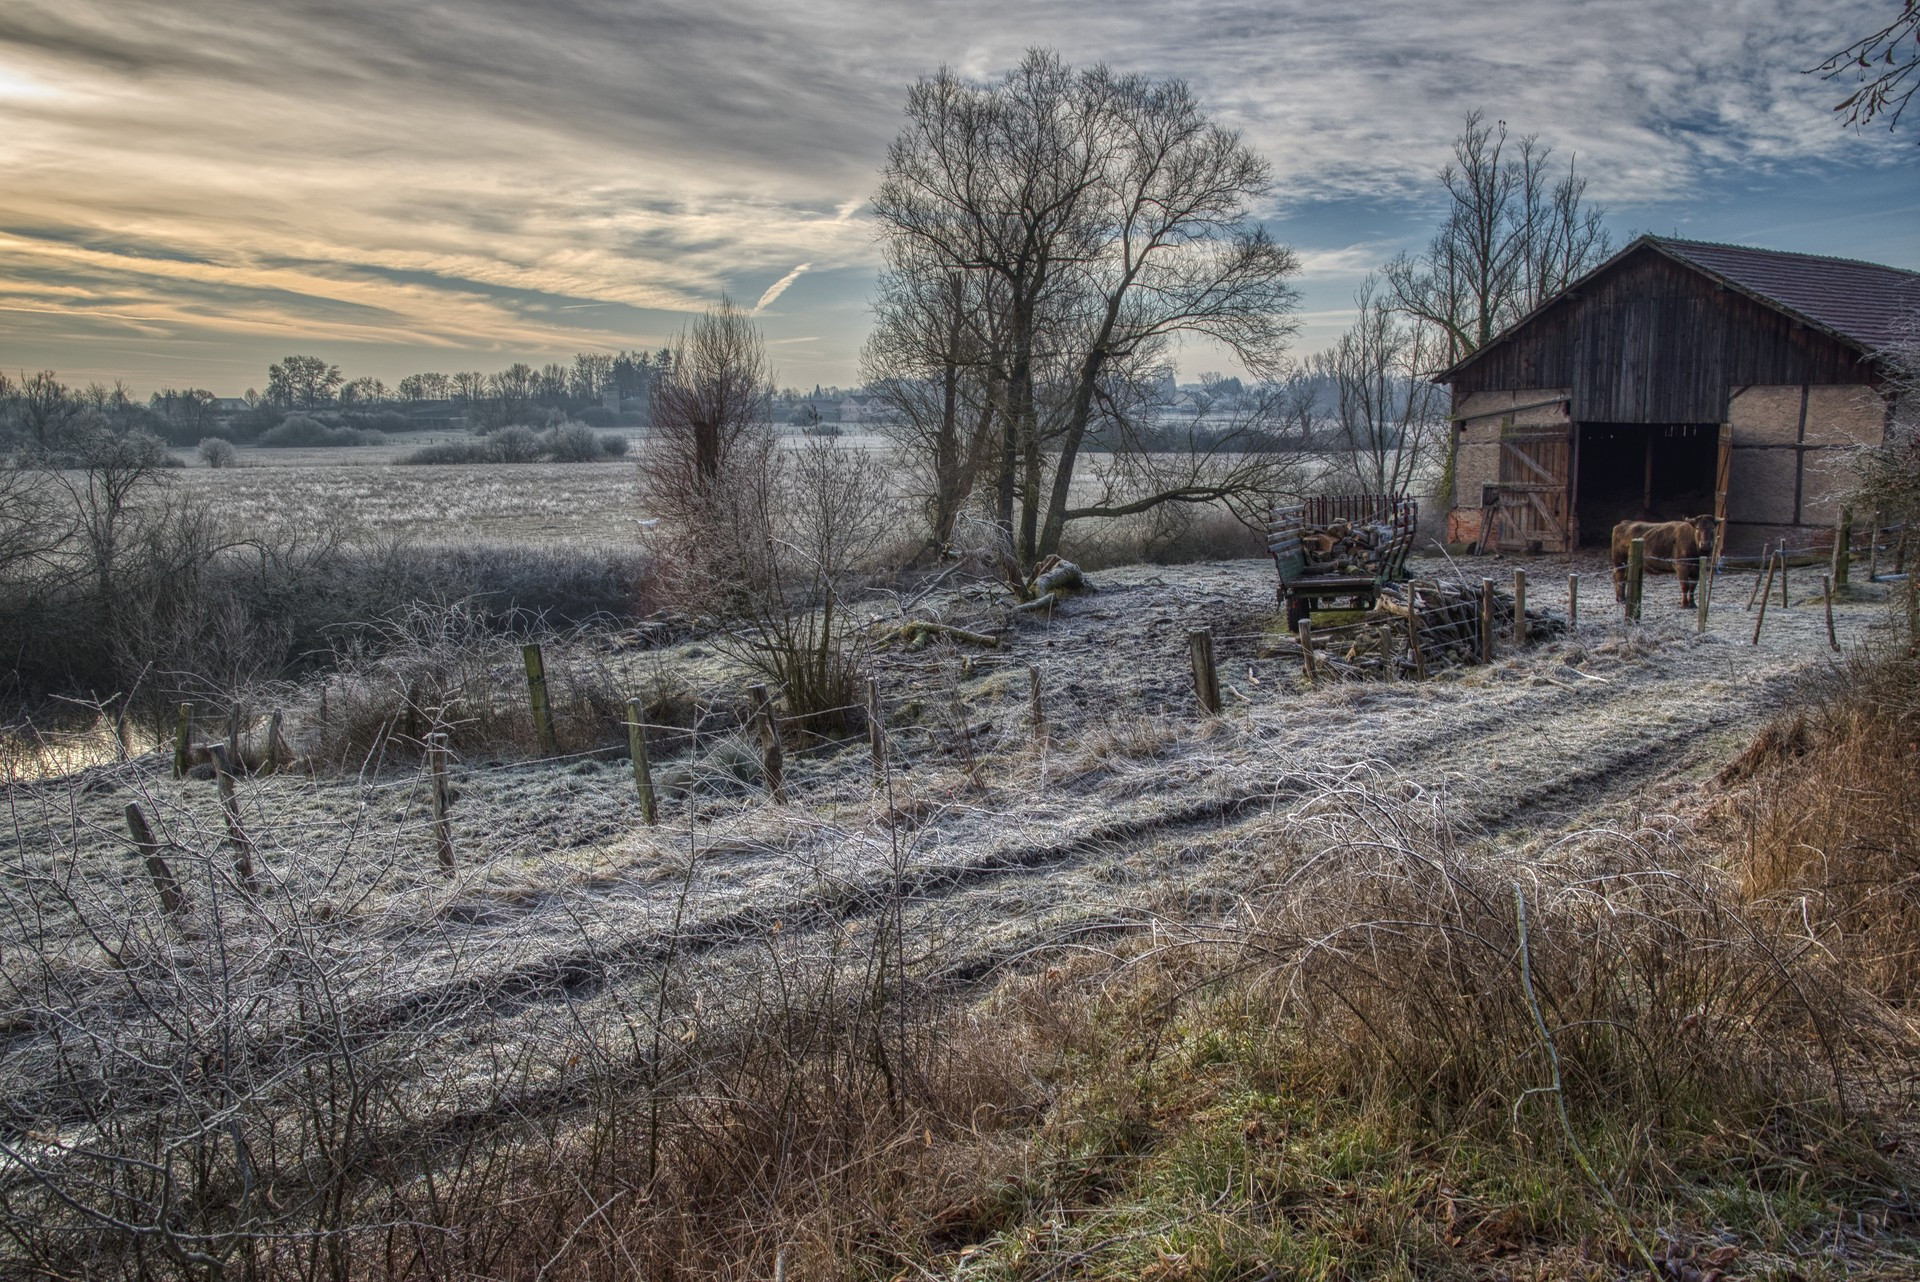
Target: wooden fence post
[1039,716]
[876,732]
[442,799]
[1873,550]
[1826,591]
[1519,608]
[1766,595]
[1843,548]
[642,767]
[1486,620]
[1636,577]
[772,759]
[1307,663]
[1206,681]
[1573,602]
[171,898]
[1702,591]
[1784,602]
[123,731]
[1413,636]
[537,696]
[230,810]
[236,754]
[276,743]
[182,740]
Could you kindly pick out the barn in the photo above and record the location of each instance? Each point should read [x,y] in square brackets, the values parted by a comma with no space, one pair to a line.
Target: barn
[1678,377]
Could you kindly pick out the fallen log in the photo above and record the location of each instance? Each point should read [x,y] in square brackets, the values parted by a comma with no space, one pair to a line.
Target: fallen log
[917,632]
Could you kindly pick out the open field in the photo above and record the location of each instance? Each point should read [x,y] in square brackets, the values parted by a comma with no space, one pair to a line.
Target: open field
[371,495]
[569,926]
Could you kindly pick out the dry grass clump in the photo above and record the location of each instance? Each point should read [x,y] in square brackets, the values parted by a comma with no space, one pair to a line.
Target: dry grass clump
[1824,832]
[1483,995]
[449,669]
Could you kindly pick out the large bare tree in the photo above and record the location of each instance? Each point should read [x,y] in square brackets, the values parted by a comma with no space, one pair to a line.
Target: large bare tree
[1111,217]
[1514,235]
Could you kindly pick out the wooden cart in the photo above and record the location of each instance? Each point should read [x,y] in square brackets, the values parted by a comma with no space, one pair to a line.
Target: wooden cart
[1380,534]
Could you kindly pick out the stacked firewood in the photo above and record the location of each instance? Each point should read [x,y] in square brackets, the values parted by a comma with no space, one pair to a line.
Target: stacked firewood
[1341,547]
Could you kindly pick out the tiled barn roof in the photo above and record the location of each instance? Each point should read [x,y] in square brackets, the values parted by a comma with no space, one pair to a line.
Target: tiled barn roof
[1865,304]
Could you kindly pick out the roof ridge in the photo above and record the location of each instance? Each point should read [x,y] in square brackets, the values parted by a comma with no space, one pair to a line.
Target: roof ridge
[1679,241]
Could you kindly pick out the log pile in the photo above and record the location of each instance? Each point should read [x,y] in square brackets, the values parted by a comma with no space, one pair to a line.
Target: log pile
[1444,614]
[1340,547]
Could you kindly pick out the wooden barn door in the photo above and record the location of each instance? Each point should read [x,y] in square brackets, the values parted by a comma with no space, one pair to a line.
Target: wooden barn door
[1536,496]
[1722,473]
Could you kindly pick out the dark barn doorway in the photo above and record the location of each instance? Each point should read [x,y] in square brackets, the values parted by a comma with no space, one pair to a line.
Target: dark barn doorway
[1643,472]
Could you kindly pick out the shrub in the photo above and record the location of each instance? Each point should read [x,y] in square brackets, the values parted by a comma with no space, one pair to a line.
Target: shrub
[572,443]
[453,452]
[614,445]
[217,451]
[300,431]
[597,416]
[515,444]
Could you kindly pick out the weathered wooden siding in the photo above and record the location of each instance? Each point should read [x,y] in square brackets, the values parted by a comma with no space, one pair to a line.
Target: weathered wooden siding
[1652,341]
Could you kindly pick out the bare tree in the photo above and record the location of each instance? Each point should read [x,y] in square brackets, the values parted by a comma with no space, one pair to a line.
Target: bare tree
[1389,417]
[1513,236]
[712,413]
[1111,217]
[302,381]
[1887,63]
[931,361]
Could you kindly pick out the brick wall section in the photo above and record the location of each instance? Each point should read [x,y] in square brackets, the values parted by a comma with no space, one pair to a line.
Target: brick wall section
[1483,414]
[1789,475]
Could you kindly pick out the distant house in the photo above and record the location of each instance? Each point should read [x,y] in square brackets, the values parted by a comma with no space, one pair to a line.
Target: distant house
[230,405]
[1677,376]
[860,407]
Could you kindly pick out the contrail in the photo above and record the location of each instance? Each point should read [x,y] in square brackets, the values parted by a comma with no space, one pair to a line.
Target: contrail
[778,288]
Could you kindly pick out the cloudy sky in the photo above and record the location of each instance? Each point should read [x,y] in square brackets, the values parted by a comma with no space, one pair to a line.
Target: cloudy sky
[197,187]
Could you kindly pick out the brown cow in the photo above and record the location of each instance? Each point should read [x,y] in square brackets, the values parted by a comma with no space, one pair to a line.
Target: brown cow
[1672,546]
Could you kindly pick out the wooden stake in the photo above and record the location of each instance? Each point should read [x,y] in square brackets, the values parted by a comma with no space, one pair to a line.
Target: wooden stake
[1703,591]
[537,696]
[1519,608]
[1760,573]
[1636,578]
[1826,591]
[1306,651]
[1486,620]
[442,799]
[1413,636]
[1038,715]
[772,759]
[1573,602]
[1206,681]
[171,898]
[230,809]
[123,731]
[876,732]
[1766,595]
[1873,551]
[276,744]
[1843,548]
[182,740]
[1784,602]
[642,767]
[236,754]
